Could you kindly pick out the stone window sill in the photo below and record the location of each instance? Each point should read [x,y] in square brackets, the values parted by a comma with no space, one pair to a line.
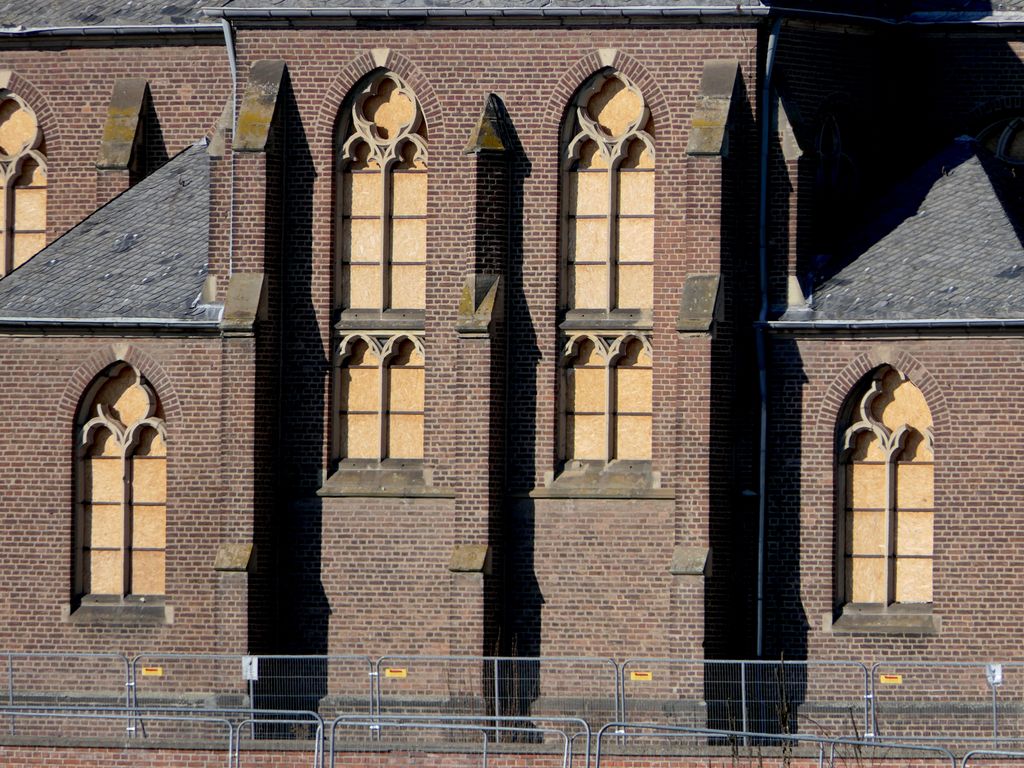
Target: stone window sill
[598,480]
[377,320]
[603,320]
[150,611]
[391,478]
[916,619]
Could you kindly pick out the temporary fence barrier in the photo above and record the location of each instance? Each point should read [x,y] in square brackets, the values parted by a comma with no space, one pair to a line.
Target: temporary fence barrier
[65,678]
[829,698]
[963,701]
[106,730]
[243,745]
[473,740]
[548,686]
[575,729]
[758,750]
[324,684]
[985,758]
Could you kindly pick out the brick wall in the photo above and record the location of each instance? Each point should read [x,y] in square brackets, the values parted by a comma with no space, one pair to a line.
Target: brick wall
[451,72]
[43,380]
[973,388]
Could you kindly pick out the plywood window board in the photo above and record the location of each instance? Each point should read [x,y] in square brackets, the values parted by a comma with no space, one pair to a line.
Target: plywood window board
[608,398]
[121,481]
[381,392]
[24,186]
[608,197]
[887,477]
[383,189]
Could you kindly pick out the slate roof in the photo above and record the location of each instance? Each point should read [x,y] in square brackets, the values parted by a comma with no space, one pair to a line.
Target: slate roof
[947,246]
[76,13]
[87,13]
[142,256]
[321,4]
[35,14]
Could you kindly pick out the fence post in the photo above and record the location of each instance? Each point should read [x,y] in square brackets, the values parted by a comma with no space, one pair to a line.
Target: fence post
[497,707]
[995,711]
[10,687]
[743,699]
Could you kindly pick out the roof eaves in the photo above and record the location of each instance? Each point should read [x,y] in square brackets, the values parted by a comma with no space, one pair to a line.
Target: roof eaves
[910,324]
[152,323]
[111,30]
[920,18]
[495,12]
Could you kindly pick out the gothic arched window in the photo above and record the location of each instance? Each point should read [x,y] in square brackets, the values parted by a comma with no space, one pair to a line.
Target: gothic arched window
[380,397]
[886,481]
[608,197]
[382,198]
[23,188]
[121,489]
[608,412]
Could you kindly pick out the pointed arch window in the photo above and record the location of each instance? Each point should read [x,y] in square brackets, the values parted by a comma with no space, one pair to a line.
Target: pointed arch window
[608,197]
[121,489]
[23,189]
[608,410]
[381,397]
[382,198]
[887,493]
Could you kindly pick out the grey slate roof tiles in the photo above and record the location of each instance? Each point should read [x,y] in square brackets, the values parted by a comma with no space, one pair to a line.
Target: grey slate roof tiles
[34,14]
[75,13]
[141,256]
[948,245]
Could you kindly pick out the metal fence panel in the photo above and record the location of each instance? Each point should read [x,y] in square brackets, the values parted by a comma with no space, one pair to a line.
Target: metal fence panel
[66,679]
[621,742]
[323,684]
[991,758]
[250,751]
[387,743]
[498,686]
[105,731]
[763,696]
[960,702]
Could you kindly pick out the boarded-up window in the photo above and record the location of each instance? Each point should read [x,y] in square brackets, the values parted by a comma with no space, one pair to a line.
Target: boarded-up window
[608,197]
[23,188]
[381,397]
[121,482]
[382,198]
[887,490]
[608,403]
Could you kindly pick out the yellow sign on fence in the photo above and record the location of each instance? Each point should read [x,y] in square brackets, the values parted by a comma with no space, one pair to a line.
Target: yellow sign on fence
[890,679]
[396,672]
[152,671]
[641,675]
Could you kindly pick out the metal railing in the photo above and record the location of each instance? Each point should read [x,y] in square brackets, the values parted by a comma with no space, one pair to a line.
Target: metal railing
[763,750]
[278,723]
[442,729]
[55,677]
[964,701]
[501,686]
[977,758]
[106,728]
[324,684]
[825,697]
[972,703]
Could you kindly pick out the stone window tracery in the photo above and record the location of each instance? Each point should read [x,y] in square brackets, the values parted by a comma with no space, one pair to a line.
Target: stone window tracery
[381,397]
[1005,139]
[121,489]
[382,198]
[608,204]
[886,484]
[23,188]
[608,409]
